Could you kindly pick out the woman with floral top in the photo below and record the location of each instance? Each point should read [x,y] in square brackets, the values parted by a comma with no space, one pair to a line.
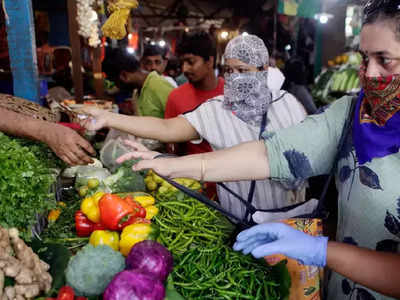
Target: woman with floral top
[365,258]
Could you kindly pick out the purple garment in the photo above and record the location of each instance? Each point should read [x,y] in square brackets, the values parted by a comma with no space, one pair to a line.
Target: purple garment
[372,141]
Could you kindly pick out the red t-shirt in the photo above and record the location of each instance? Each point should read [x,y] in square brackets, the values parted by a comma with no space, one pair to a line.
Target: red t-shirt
[186,98]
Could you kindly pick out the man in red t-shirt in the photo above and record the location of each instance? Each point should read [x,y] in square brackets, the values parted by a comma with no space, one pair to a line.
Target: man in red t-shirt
[197,53]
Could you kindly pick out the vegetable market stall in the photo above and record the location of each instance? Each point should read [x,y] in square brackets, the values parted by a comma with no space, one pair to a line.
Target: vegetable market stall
[97,218]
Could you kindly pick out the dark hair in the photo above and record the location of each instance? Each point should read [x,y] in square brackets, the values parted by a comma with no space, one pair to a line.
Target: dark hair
[383,10]
[295,71]
[173,64]
[153,50]
[119,60]
[199,44]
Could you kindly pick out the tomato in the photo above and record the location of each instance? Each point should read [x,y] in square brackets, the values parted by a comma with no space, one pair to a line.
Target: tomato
[66,293]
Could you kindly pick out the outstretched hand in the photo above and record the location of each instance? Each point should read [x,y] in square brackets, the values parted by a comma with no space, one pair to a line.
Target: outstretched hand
[159,165]
[98,118]
[68,145]
[277,238]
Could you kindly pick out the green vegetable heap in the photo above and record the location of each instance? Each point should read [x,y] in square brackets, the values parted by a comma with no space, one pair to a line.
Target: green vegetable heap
[26,181]
[204,266]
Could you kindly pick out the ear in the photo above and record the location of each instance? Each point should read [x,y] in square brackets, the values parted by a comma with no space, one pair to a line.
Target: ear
[265,68]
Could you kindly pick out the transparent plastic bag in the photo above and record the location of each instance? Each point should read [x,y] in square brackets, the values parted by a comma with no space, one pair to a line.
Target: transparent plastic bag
[111,151]
[85,173]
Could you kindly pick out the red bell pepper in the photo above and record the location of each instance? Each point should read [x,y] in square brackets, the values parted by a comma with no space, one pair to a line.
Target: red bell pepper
[83,226]
[134,220]
[138,210]
[113,211]
[66,293]
[80,298]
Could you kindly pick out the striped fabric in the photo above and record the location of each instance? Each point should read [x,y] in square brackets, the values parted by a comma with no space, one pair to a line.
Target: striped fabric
[222,129]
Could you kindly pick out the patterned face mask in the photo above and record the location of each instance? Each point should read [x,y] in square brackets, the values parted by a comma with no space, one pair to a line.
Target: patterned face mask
[376,129]
[381,100]
[247,94]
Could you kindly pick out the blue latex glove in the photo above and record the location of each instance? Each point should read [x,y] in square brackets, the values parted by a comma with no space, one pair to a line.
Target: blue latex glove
[277,238]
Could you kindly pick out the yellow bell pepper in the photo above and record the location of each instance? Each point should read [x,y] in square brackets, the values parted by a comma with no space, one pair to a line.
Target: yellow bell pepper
[90,207]
[151,211]
[136,233]
[105,237]
[144,199]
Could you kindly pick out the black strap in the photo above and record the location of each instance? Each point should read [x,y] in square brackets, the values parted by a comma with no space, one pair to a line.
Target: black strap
[250,209]
[203,199]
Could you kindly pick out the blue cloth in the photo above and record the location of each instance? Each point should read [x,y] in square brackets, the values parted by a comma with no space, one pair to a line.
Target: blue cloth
[372,141]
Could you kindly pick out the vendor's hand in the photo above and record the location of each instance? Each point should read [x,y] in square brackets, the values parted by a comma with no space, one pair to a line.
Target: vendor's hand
[98,118]
[147,158]
[68,145]
[278,238]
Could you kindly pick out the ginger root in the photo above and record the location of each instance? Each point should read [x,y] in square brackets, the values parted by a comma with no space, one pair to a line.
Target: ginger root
[19,262]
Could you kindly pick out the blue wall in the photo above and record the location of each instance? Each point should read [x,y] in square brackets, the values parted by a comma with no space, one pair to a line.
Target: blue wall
[22,49]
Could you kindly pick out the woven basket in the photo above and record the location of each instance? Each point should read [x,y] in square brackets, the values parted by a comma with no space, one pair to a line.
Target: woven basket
[27,108]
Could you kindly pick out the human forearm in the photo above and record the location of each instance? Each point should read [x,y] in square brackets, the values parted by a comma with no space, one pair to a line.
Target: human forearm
[376,270]
[23,126]
[164,130]
[246,161]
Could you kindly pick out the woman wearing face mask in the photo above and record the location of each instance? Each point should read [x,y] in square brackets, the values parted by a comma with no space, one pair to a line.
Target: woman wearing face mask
[247,108]
[365,257]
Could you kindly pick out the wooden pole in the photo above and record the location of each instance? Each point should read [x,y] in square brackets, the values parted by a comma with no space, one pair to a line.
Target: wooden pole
[97,73]
[22,48]
[76,51]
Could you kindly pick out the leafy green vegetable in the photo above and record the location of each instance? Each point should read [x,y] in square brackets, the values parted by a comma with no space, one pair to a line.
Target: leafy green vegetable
[62,231]
[27,179]
[125,179]
[92,268]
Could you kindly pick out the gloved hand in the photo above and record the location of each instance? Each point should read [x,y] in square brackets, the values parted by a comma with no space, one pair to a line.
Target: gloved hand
[277,238]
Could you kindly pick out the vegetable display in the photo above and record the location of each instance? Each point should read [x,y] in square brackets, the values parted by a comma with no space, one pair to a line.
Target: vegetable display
[30,165]
[112,239]
[92,268]
[339,79]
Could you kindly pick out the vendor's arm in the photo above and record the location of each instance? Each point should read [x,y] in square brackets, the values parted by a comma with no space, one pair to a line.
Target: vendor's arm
[377,270]
[164,130]
[66,143]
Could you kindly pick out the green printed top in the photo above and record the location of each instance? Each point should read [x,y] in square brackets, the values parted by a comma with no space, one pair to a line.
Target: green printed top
[154,95]
[369,194]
